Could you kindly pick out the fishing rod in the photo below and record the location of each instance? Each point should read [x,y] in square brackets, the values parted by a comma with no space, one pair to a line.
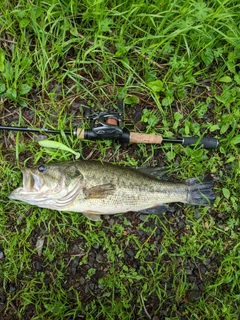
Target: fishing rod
[109,126]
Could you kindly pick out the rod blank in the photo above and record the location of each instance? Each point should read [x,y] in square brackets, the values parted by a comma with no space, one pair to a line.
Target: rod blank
[25,129]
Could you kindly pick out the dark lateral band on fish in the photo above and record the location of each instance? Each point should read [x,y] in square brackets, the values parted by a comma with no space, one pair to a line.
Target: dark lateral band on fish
[94,188]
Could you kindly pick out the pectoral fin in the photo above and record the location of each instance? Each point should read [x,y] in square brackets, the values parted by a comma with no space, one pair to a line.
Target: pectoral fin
[93,215]
[99,191]
[156,210]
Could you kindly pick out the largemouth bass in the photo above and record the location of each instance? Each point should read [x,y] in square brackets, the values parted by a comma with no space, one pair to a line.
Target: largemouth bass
[94,188]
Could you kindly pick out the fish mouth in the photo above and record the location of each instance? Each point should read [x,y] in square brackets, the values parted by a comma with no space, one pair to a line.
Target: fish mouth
[31,186]
[31,182]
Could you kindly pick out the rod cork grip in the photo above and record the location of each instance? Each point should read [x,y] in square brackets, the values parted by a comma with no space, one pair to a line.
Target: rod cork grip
[136,137]
[80,133]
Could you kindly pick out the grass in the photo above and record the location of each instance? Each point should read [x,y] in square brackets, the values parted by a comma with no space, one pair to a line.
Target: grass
[175,65]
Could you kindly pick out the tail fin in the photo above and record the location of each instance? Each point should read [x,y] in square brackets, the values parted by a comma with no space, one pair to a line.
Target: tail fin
[200,192]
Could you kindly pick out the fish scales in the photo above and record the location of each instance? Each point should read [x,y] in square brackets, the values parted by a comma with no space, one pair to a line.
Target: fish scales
[94,188]
[133,191]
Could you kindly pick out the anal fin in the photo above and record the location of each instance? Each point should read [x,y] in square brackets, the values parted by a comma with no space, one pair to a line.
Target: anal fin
[155,210]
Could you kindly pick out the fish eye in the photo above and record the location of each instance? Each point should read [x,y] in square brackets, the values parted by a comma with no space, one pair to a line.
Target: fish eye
[42,168]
